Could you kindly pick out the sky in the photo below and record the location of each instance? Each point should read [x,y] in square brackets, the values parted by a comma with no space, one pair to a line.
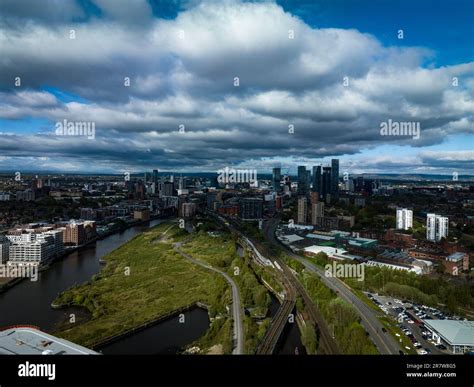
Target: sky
[202,85]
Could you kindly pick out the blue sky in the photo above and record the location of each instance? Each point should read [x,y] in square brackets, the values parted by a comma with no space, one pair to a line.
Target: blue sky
[189,81]
[447,27]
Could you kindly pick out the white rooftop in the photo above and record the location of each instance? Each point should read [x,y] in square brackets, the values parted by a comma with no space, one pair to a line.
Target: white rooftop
[292,238]
[26,340]
[455,332]
[328,250]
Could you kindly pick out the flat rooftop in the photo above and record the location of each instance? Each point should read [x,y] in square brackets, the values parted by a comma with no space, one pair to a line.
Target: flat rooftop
[292,238]
[32,341]
[455,332]
[455,257]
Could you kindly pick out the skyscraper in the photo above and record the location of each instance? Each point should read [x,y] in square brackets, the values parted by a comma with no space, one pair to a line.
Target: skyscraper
[251,208]
[334,177]
[436,227]
[308,180]
[276,178]
[404,219]
[155,176]
[317,213]
[317,179]
[326,182]
[302,177]
[302,210]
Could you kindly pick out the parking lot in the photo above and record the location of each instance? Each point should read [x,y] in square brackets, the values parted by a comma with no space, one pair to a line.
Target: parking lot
[410,318]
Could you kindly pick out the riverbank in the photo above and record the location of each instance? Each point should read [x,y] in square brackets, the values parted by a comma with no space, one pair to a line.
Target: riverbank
[6,284]
[147,324]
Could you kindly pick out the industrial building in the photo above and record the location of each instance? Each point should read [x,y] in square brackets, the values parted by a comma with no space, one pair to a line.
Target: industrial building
[29,340]
[456,335]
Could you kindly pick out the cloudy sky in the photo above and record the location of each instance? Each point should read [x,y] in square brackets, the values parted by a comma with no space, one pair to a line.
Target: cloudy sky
[236,83]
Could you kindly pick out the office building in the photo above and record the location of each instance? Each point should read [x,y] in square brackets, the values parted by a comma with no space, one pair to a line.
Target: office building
[334,178]
[317,213]
[78,233]
[359,184]
[35,248]
[251,208]
[167,189]
[326,183]
[349,185]
[4,196]
[88,213]
[188,209]
[302,180]
[181,183]
[74,234]
[4,249]
[27,195]
[141,214]
[437,227]
[276,178]
[317,179]
[302,210]
[404,219]
[456,262]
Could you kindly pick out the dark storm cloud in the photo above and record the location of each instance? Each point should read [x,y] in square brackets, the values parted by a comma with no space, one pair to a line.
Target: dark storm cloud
[333,86]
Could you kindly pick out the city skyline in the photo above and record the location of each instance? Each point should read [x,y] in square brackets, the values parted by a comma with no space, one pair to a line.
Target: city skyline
[200,86]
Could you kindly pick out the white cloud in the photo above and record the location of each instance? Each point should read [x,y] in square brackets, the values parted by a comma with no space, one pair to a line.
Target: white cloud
[188,79]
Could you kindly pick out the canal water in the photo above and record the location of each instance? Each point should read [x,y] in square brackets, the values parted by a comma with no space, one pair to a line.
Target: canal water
[164,338]
[30,302]
[290,341]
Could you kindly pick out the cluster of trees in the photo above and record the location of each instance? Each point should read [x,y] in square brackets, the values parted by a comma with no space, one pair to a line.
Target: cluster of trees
[342,319]
[254,295]
[252,230]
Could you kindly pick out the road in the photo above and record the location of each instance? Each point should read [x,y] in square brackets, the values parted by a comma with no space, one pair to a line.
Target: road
[384,342]
[236,305]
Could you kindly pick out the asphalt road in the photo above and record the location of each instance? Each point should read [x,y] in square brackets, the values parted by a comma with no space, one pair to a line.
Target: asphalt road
[384,342]
[236,305]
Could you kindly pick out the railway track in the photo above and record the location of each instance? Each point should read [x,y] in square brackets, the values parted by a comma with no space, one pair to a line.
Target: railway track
[270,340]
[293,288]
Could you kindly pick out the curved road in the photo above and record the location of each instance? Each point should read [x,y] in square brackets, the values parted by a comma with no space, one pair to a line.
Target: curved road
[384,342]
[236,309]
